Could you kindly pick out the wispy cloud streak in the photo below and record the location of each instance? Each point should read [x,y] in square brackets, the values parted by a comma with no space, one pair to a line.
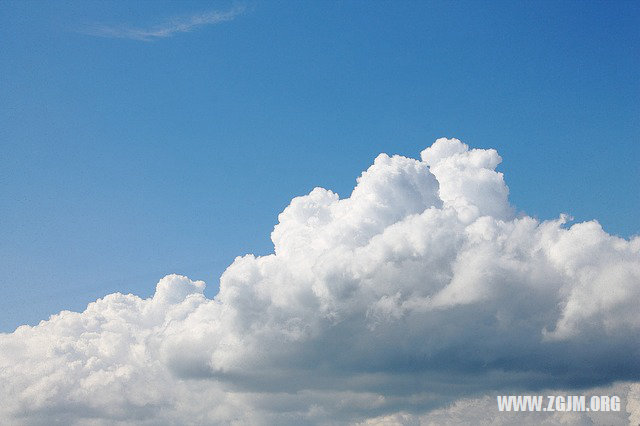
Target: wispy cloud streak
[166,29]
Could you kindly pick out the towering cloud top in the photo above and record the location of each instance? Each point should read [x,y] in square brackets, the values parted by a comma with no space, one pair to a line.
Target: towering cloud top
[421,288]
[468,180]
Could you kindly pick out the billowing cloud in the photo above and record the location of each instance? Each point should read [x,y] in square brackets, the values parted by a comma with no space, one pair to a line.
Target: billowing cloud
[165,29]
[423,288]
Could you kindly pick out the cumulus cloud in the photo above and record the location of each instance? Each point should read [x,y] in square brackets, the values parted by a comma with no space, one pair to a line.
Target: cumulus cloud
[422,288]
[165,29]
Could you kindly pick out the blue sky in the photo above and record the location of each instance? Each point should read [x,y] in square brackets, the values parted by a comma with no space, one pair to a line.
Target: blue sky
[124,159]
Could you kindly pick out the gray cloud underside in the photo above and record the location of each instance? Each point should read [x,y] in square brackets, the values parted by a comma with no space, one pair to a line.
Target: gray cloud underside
[421,289]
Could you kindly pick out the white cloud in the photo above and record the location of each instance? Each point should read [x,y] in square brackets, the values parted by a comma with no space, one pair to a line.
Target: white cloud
[421,289]
[165,29]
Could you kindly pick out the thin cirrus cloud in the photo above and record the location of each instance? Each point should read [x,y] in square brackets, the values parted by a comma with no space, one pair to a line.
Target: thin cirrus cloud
[166,29]
[412,301]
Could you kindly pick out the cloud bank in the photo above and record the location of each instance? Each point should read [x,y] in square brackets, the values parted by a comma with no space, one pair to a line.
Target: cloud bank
[165,29]
[412,301]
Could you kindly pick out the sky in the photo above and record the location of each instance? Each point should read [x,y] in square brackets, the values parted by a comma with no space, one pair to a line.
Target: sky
[141,139]
[125,160]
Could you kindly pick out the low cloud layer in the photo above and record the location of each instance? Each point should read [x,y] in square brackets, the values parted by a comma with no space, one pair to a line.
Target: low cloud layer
[421,294]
